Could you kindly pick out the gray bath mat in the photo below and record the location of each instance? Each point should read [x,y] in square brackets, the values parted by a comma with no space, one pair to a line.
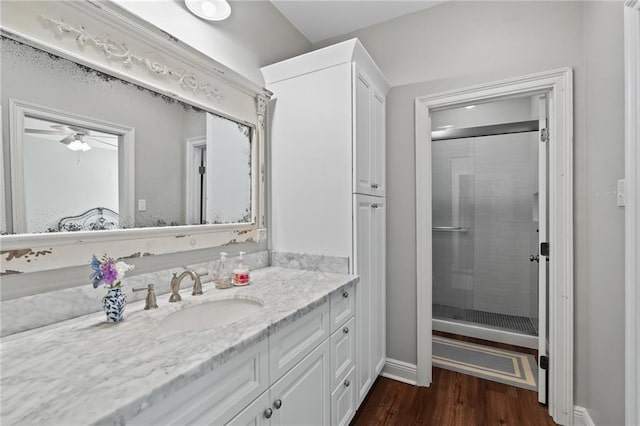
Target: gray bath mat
[498,365]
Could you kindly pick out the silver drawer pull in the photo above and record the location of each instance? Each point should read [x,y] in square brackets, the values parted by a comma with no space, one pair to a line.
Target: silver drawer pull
[375,206]
[268,413]
[347,383]
[345,294]
[277,404]
[345,330]
[374,185]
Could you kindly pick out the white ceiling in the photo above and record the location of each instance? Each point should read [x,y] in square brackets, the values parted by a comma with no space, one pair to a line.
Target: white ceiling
[319,20]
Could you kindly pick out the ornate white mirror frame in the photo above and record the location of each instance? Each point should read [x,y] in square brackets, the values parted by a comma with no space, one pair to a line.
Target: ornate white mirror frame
[102,36]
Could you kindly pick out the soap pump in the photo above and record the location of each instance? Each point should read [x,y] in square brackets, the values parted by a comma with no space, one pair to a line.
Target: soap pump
[223,278]
[241,273]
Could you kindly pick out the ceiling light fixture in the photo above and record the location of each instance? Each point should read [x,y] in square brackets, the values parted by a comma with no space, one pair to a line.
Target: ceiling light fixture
[211,10]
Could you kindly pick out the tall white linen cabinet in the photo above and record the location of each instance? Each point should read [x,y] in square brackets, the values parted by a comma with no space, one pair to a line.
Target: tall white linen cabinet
[327,177]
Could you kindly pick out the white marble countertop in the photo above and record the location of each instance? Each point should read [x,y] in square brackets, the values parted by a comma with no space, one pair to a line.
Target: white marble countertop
[86,371]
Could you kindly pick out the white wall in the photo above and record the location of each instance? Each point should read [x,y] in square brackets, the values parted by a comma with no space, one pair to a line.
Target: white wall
[256,33]
[457,44]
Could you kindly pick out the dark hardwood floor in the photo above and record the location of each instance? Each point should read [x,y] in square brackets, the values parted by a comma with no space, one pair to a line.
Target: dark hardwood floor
[452,399]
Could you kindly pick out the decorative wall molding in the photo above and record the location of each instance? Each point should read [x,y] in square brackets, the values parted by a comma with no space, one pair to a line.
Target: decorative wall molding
[632,210]
[118,50]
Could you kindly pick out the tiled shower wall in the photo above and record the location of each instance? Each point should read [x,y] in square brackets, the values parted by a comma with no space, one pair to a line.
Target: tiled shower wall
[486,185]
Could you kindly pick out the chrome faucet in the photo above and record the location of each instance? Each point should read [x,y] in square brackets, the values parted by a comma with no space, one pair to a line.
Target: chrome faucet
[177,279]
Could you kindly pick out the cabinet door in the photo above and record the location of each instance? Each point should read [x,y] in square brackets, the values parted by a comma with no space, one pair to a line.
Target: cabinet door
[362,148]
[363,266]
[378,142]
[369,118]
[369,258]
[257,413]
[303,396]
[378,286]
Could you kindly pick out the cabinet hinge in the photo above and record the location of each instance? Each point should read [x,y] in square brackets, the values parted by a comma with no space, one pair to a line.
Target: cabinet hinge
[544,135]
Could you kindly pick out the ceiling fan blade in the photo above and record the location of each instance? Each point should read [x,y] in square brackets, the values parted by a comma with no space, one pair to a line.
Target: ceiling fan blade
[113,145]
[44,132]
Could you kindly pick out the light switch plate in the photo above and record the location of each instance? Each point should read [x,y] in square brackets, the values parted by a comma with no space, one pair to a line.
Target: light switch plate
[142,205]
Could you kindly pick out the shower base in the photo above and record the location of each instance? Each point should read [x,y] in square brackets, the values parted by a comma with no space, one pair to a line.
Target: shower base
[511,323]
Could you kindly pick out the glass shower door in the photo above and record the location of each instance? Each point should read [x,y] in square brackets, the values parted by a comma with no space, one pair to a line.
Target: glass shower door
[453,171]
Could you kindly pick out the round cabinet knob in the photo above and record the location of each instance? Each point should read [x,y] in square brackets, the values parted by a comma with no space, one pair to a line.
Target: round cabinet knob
[345,330]
[277,404]
[268,413]
[347,383]
[345,294]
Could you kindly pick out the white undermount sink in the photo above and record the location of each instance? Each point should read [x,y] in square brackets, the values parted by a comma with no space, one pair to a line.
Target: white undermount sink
[211,314]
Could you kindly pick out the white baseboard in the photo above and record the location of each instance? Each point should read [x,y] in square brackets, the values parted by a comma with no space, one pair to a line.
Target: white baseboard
[581,417]
[400,371]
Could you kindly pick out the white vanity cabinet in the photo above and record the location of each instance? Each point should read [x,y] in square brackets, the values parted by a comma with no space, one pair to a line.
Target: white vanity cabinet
[327,151]
[301,374]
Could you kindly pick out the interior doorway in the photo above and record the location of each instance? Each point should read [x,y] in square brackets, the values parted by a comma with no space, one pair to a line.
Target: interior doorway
[550,91]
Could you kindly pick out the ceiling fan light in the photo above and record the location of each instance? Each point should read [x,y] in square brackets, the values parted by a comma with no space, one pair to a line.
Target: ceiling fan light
[211,10]
[78,145]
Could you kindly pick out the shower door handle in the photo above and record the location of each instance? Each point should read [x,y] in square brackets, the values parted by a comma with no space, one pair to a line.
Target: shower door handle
[535,258]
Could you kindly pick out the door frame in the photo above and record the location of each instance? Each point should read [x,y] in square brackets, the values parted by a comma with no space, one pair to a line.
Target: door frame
[632,210]
[192,197]
[558,85]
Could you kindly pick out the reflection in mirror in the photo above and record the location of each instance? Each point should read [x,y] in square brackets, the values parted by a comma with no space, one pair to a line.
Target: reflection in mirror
[191,167]
[68,170]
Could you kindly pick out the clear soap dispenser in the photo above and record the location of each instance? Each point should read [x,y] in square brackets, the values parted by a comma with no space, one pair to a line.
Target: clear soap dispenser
[241,273]
[223,277]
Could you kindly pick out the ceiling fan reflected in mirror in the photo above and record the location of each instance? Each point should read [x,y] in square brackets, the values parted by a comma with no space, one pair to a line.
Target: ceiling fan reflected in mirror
[75,138]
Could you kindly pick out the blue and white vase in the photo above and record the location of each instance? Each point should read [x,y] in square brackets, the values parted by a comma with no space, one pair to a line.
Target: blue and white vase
[114,303]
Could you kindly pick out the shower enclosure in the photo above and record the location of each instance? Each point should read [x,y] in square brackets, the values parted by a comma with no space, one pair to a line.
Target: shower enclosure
[484,193]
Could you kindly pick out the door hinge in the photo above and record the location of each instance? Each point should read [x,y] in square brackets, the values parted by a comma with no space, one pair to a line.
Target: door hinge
[201,169]
[544,362]
[544,249]
[544,135]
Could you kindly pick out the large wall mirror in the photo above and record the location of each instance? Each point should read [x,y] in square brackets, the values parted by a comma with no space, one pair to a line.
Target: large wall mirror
[87,150]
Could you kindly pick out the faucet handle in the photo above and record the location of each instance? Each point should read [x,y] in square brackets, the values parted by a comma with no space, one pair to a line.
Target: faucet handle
[150,301]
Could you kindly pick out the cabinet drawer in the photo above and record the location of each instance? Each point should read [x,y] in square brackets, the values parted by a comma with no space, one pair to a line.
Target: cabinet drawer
[343,352]
[216,397]
[255,414]
[303,396]
[343,401]
[290,345]
[342,306]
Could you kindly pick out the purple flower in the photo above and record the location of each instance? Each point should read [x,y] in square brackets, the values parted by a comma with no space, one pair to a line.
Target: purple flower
[109,272]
